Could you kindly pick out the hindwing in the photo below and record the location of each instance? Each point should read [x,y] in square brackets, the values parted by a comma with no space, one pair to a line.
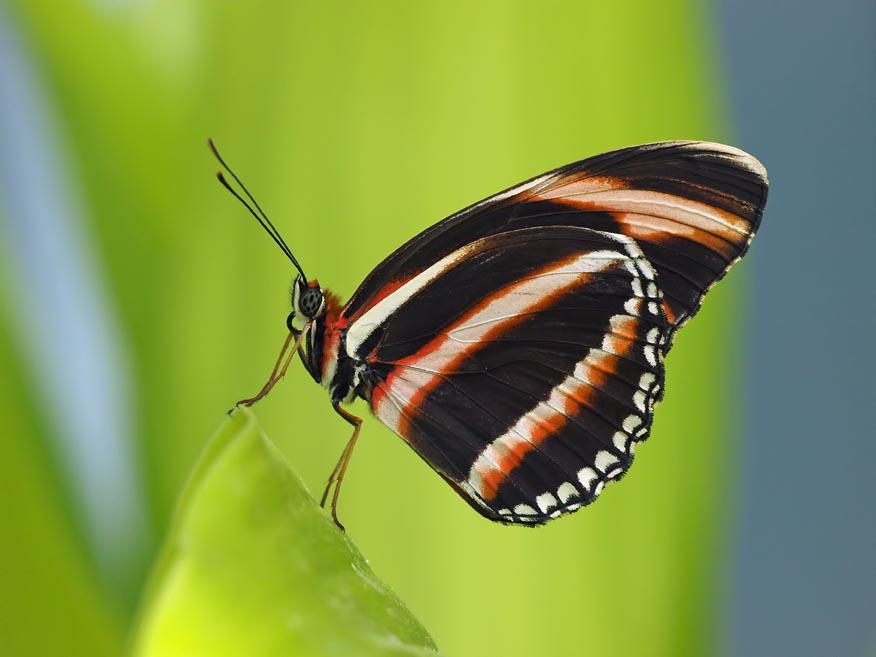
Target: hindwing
[523,367]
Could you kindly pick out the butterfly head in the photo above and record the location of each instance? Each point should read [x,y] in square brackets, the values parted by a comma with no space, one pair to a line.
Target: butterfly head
[308,303]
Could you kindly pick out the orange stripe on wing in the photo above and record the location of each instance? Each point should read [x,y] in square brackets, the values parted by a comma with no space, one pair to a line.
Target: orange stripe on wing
[631,205]
[501,457]
[489,319]
[566,187]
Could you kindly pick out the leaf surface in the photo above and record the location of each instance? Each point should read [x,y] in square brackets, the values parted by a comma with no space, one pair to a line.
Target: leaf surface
[253,566]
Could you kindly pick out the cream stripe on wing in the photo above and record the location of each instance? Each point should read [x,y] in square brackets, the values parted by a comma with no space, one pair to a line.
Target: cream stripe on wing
[375,316]
[511,304]
[659,204]
[498,460]
[505,453]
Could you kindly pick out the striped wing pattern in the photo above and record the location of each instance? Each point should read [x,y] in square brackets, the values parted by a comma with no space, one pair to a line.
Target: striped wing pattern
[546,357]
[518,345]
[692,207]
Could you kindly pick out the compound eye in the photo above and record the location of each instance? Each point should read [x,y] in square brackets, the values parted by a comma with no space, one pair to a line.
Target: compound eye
[311,302]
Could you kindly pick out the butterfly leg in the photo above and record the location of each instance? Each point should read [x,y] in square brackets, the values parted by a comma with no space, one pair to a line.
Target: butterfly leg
[337,475]
[276,373]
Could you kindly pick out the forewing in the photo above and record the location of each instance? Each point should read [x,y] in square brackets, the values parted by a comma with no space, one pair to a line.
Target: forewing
[692,207]
[523,367]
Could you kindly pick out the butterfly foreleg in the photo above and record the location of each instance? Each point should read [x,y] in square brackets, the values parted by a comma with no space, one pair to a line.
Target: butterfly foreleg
[277,373]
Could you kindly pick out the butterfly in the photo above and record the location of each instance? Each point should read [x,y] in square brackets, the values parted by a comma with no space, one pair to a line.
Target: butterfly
[518,345]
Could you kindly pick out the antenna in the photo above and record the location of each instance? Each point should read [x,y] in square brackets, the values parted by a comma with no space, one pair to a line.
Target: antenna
[261,217]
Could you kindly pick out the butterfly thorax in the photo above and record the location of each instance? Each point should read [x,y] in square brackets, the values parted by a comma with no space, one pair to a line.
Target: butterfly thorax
[326,357]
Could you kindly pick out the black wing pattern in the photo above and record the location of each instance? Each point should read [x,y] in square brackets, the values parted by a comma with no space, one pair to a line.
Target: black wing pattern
[693,208]
[518,345]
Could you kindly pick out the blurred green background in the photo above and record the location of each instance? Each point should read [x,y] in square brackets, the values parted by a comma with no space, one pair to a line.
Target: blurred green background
[139,300]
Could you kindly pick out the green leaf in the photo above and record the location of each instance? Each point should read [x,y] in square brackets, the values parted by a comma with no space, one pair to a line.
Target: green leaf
[253,566]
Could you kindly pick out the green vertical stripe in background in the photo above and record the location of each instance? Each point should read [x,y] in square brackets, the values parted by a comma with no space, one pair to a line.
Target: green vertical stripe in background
[357,125]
